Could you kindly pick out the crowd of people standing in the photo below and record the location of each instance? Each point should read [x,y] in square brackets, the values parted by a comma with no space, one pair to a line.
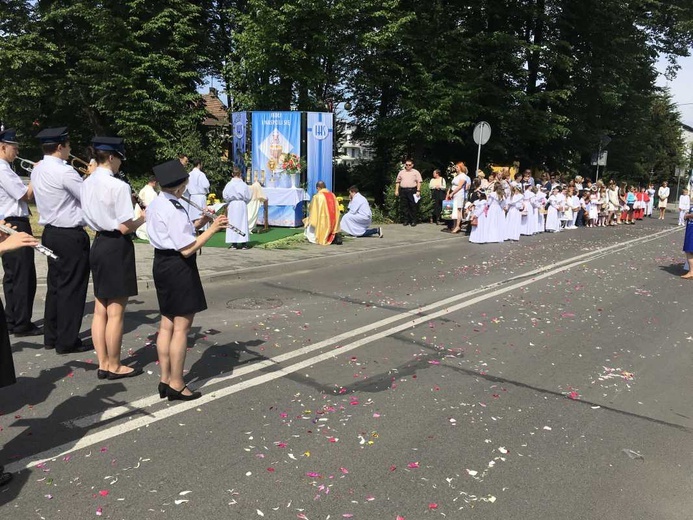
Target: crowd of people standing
[503,206]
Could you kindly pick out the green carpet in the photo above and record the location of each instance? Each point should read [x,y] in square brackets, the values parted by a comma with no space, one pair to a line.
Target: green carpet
[256,238]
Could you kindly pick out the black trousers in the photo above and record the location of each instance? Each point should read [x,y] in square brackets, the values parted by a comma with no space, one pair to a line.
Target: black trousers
[7,375]
[438,198]
[408,206]
[19,281]
[68,278]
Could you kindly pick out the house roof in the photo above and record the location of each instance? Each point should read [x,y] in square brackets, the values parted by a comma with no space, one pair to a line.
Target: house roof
[687,128]
[217,113]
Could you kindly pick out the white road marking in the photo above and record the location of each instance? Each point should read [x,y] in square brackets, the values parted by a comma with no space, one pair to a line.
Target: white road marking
[530,278]
[116,411]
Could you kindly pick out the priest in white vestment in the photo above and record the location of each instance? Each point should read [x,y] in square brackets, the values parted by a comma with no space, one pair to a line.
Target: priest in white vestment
[358,218]
[237,195]
[257,198]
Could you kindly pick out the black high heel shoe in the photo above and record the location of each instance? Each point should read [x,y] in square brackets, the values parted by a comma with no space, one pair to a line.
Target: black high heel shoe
[163,390]
[177,395]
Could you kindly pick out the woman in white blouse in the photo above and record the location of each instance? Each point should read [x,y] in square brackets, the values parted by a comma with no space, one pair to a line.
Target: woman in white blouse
[663,194]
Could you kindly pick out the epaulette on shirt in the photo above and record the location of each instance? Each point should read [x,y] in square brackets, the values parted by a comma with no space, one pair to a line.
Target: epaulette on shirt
[177,204]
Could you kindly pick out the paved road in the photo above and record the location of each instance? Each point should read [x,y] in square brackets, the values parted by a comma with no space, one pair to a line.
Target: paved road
[397,378]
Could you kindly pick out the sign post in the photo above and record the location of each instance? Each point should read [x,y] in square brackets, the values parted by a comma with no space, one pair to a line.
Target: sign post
[482,133]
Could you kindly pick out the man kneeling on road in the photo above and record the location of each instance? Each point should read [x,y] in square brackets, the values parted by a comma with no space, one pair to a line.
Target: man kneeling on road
[356,221]
[322,223]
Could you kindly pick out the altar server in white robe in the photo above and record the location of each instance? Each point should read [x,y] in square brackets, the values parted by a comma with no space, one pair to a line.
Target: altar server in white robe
[198,188]
[358,217]
[513,218]
[480,217]
[539,203]
[529,219]
[257,198]
[553,223]
[237,195]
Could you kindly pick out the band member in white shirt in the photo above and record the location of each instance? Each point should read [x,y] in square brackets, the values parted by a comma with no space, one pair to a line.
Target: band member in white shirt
[19,280]
[107,207]
[176,278]
[57,189]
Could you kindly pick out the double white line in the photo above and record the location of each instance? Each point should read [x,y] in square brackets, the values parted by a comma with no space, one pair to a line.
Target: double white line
[406,320]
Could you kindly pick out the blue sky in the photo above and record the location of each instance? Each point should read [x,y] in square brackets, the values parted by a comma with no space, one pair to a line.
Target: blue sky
[681,87]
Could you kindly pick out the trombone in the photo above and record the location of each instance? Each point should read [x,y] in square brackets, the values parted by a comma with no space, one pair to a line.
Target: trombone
[80,165]
[26,165]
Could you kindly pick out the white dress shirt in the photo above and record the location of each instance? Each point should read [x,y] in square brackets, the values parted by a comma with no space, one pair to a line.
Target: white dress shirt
[106,201]
[168,224]
[11,190]
[57,190]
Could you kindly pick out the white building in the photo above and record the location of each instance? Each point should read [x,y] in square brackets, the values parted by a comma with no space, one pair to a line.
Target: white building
[350,151]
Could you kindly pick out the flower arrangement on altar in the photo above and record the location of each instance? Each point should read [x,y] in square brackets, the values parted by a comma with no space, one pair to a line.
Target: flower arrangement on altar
[340,200]
[212,199]
[291,163]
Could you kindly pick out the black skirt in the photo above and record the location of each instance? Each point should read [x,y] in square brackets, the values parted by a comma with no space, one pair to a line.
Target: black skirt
[112,262]
[178,285]
[7,375]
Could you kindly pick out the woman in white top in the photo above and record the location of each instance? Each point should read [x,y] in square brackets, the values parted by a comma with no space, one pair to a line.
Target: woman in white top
[438,193]
[613,204]
[179,289]
[663,194]
[458,194]
[107,208]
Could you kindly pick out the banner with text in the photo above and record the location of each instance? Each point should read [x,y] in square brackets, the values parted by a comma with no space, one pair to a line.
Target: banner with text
[274,135]
[240,145]
[320,136]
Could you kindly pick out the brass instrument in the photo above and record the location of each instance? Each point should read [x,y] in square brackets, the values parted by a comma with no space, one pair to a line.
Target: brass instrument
[80,165]
[26,164]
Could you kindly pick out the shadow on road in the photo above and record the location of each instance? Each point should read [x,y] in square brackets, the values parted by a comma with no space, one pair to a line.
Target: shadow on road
[673,269]
[42,433]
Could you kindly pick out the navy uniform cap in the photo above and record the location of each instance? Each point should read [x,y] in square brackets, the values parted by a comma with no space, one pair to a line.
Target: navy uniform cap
[170,174]
[53,135]
[110,144]
[8,136]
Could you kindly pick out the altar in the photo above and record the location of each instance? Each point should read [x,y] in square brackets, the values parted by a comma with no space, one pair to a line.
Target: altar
[285,207]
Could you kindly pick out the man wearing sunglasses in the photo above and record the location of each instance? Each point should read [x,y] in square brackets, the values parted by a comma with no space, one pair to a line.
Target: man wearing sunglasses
[408,189]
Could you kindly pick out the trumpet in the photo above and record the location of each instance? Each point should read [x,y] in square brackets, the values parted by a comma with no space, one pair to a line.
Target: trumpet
[211,215]
[40,247]
[80,165]
[26,164]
